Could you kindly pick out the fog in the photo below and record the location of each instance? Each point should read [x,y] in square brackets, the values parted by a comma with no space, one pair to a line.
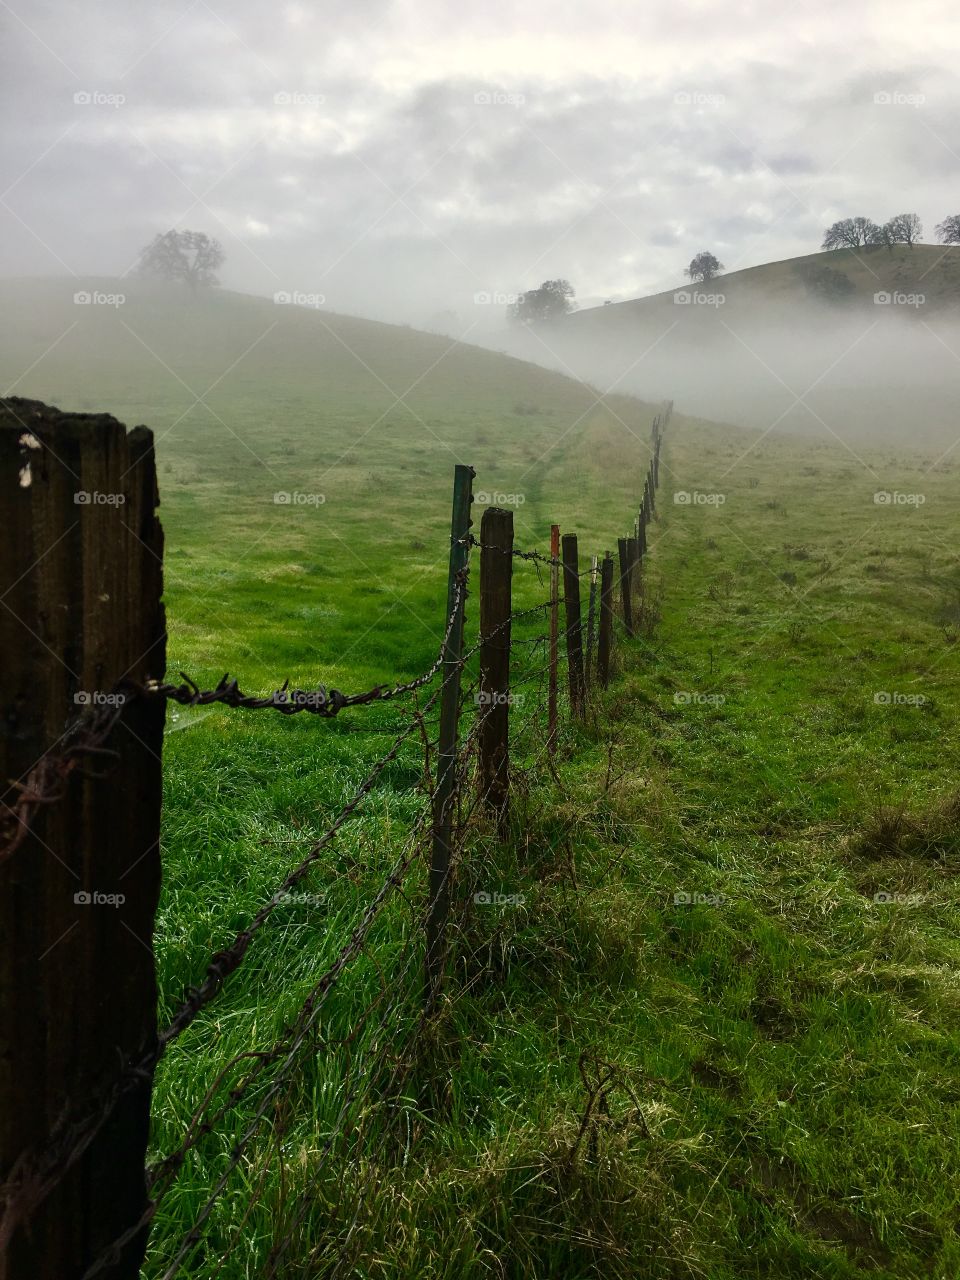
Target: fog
[854,375]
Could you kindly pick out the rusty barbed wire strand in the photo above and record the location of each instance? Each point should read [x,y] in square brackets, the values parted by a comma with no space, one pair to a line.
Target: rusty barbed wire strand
[84,740]
[535,557]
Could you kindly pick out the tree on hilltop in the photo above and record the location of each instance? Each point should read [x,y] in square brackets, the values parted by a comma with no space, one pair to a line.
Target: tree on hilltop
[549,302]
[852,233]
[904,228]
[188,256]
[948,231]
[704,267]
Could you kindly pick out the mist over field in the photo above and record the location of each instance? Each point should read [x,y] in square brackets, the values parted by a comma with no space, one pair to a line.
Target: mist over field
[874,376]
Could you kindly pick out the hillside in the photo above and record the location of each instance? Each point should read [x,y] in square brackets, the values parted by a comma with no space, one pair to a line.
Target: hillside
[927,269]
[755,348]
[248,399]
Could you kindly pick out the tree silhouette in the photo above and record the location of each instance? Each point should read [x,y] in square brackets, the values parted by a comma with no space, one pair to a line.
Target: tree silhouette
[703,267]
[190,256]
[549,302]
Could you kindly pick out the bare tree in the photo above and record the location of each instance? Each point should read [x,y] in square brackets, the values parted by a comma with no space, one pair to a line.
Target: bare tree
[190,256]
[703,267]
[852,233]
[904,228]
[948,231]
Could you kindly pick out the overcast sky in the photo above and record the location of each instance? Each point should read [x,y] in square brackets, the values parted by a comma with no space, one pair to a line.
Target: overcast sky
[402,156]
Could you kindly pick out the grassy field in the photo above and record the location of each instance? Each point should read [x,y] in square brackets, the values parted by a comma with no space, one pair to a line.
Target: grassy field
[718,1038]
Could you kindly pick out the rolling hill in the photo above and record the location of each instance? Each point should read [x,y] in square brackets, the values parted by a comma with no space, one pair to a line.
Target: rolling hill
[758,348]
[927,269]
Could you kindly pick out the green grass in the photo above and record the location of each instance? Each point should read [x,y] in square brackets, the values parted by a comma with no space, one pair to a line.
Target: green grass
[780,1058]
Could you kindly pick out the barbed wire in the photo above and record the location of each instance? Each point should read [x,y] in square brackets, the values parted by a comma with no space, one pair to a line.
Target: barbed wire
[535,557]
[85,740]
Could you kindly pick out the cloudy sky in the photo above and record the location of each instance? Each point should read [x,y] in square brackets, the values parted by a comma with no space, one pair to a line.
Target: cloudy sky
[400,157]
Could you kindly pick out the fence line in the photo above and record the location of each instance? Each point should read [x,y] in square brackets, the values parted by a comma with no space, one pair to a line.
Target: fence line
[34,1170]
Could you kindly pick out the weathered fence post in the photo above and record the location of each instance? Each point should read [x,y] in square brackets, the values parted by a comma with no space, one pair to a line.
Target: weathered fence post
[623,552]
[438,906]
[591,621]
[80,585]
[554,637]
[571,596]
[496,576]
[636,586]
[606,621]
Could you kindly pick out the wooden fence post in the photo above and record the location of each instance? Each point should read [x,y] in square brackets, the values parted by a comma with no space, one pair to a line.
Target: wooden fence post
[606,621]
[636,586]
[554,637]
[591,622]
[438,906]
[571,596]
[81,585]
[623,552]
[496,577]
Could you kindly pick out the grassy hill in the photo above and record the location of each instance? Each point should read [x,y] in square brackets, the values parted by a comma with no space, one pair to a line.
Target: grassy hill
[928,269]
[756,348]
[248,399]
